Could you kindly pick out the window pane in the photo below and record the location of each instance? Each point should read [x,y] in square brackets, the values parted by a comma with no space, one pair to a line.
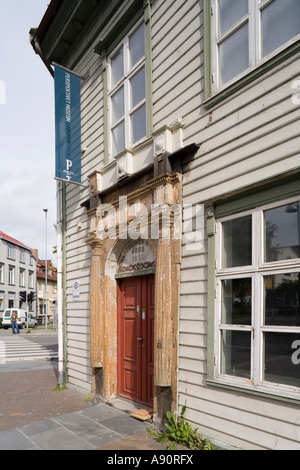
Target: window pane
[138,124]
[236,353]
[230,12]
[282,358]
[237,242]
[137,86]
[117,105]
[117,67]
[137,45]
[280,22]
[234,55]
[282,297]
[282,233]
[118,138]
[236,301]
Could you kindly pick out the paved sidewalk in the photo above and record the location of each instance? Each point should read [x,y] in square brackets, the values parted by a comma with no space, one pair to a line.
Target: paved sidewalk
[34,416]
[99,427]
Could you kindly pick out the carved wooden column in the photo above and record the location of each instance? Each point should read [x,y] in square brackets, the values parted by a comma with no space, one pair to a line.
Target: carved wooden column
[163,318]
[167,279]
[96,305]
[96,282]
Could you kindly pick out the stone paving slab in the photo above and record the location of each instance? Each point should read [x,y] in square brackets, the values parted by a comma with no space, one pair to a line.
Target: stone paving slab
[94,428]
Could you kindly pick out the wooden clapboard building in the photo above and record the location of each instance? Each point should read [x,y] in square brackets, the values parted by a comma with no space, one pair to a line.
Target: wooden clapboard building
[184,236]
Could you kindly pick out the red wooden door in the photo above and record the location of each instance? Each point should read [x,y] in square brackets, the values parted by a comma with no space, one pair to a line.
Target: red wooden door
[135,338]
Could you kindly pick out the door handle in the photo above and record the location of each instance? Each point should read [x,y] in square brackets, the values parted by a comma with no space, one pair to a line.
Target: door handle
[140,339]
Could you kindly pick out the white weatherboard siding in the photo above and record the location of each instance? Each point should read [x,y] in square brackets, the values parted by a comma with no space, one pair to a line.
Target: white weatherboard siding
[176,49]
[246,139]
[77,252]
[78,269]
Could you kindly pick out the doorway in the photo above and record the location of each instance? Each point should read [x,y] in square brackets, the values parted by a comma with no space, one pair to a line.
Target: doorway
[136,338]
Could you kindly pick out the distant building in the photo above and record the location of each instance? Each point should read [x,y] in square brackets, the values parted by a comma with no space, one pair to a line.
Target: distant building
[41,288]
[17,273]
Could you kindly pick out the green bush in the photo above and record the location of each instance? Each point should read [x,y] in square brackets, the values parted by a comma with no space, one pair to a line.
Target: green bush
[178,431]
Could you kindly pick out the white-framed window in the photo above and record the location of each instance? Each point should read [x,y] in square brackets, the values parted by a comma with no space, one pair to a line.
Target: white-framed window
[11,275]
[30,279]
[127,92]
[1,273]
[22,255]
[22,277]
[11,252]
[258,299]
[248,32]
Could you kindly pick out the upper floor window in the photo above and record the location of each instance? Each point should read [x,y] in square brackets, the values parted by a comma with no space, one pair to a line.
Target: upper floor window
[30,279]
[1,273]
[22,255]
[11,253]
[249,31]
[11,275]
[22,277]
[127,92]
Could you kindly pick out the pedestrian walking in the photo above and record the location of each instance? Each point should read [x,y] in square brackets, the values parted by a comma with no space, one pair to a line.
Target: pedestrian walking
[14,324]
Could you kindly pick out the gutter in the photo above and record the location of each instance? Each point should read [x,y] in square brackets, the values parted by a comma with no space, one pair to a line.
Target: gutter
[36,46]
[37,34]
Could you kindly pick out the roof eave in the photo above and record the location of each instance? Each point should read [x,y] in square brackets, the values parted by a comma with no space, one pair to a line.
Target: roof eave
[46,21]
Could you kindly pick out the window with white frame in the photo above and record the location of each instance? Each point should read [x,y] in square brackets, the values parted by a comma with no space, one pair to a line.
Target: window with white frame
[1,273]
[258,299]
[127,92]
[11,275]
[22,278]
[30,279]
[11,254]
[247,32]
[22,256]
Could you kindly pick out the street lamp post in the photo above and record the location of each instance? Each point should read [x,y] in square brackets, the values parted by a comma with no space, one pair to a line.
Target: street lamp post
[46,270]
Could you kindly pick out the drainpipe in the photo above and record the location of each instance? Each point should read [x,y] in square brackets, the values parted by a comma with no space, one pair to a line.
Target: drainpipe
[39,51]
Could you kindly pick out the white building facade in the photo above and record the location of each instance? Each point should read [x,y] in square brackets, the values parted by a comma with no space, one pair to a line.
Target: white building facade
[17,273]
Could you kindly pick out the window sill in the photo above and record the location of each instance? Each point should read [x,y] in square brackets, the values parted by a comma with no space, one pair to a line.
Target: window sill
[252,75]
[144,142]
[257,392]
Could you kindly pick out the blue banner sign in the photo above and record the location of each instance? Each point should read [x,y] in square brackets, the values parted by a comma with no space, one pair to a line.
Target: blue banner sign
[67,126]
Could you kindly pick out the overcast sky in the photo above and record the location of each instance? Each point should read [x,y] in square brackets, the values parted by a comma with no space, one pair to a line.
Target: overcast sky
[27,133]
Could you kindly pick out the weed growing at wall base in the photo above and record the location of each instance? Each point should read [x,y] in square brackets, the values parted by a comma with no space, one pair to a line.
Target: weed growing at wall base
[178,431]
